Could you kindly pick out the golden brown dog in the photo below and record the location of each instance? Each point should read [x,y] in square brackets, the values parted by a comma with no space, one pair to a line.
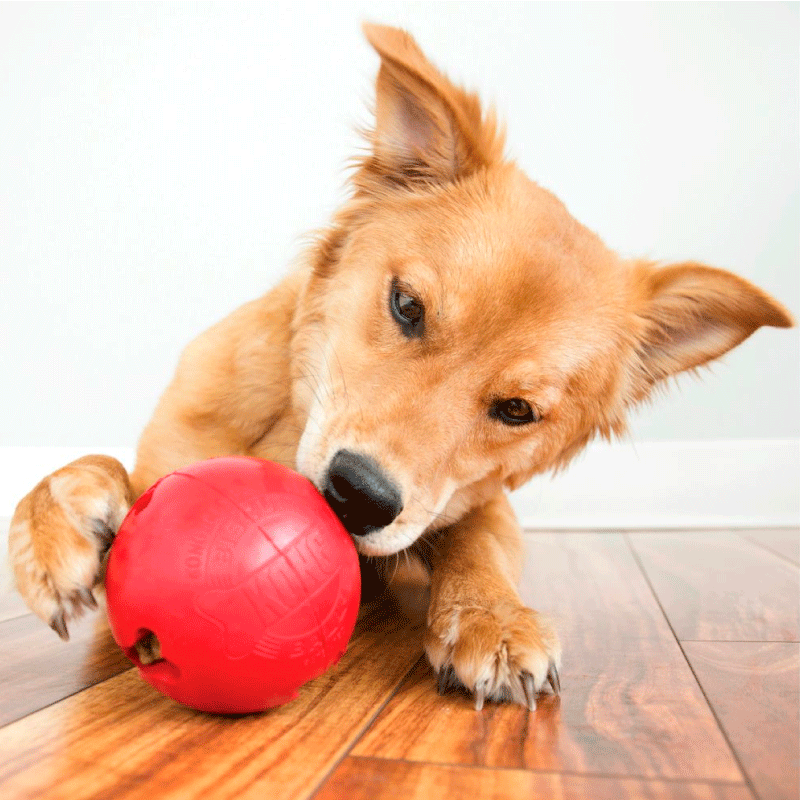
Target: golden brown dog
[452,333]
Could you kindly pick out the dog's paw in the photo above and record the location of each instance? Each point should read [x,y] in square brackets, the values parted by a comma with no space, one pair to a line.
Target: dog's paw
[503,653]
[60,533]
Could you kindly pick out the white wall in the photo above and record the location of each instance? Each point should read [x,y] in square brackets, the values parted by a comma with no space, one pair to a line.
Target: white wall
[159,165]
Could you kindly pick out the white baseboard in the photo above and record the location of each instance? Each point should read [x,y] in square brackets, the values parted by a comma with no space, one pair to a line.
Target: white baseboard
[719,484]
[723,484]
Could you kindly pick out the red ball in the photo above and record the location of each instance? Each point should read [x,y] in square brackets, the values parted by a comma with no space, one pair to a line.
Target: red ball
[245,576]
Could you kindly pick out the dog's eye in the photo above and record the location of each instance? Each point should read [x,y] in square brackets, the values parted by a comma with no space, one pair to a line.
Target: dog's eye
[409,313]
[515,411]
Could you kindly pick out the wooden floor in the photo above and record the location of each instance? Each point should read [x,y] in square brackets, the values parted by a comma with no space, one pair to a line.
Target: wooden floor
[680,680]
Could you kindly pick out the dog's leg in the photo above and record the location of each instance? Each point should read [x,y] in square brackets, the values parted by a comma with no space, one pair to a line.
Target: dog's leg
[63,528]
[480,634]
[231,384]
[60,533]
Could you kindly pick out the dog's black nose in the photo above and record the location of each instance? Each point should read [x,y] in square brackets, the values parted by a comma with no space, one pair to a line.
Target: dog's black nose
[363,498]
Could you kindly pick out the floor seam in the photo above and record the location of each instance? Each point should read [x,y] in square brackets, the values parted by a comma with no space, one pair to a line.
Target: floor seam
[82,689]
[745,774]
[571,773]
[744,641]
[357,738]
[766,547]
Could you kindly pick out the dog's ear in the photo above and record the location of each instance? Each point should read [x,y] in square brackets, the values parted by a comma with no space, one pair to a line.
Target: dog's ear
[426,129]
[689,314]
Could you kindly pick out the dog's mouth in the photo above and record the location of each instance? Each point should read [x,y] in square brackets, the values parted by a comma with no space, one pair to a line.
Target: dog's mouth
[360,493]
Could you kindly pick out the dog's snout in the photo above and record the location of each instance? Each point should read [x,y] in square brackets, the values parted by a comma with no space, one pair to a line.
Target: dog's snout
[362,496]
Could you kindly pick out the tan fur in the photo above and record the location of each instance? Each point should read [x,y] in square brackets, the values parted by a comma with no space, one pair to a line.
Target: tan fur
[521,301]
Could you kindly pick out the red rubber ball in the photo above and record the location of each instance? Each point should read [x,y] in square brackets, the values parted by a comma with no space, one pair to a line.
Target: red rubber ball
[245,576]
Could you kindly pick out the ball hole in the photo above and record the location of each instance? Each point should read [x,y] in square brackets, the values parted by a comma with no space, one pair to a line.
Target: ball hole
[146,650]
[146,654]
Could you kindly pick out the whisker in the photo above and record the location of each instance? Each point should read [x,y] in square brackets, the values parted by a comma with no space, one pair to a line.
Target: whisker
[396,565]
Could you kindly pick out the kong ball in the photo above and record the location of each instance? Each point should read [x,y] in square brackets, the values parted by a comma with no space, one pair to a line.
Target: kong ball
[243,575]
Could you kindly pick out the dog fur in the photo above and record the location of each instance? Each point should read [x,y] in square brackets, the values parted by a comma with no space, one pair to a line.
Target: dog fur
[508,298]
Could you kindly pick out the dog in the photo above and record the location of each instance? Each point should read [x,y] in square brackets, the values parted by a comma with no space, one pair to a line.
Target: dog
[453,332]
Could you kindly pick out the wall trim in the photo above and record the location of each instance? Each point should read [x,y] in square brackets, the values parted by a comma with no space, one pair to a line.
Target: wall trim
[636,485]
[717,484]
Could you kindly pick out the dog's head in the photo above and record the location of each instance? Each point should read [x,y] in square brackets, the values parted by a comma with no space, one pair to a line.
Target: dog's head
[461,332]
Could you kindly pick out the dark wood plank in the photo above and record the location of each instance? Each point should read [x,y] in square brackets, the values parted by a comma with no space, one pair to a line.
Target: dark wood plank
[716,586]
[783,541]
[37,668]
[121,739]
[377,779]
[753,687]
[630,705]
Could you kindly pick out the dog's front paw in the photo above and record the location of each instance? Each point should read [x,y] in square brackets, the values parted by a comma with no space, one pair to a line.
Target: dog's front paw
[506,652]
[60,534]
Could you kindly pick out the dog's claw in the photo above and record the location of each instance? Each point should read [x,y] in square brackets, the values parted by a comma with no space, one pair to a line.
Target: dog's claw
[59,625]
[82,596]
[529,690]
[87,598]
[446,679]
[480,696]
[103,533]
[553,679]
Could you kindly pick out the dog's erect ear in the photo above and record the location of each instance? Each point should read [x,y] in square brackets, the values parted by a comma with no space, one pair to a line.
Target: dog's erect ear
[426,129]
[690,314]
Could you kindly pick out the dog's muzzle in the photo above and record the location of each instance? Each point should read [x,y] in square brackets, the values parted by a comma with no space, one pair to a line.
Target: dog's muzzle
[363,497]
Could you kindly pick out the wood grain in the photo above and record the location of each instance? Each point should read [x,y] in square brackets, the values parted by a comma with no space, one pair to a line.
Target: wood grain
[783,541]
[719,587]
[630,704]
[632,721]
[122,739]
[37,668]
[375,779]
[753,688]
